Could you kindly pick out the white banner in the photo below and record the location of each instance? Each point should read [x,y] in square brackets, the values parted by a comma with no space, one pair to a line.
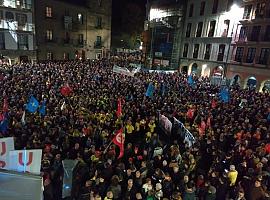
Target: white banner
[6,145]
[124,71]
[25,160]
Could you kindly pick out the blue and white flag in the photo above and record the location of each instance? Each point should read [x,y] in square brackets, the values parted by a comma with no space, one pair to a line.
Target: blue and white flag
[32,105]
[150,90]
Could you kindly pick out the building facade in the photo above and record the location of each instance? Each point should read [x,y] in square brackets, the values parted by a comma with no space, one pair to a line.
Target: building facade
[67,31]
[165,19]
[17,31]
[250,62]
[206,41]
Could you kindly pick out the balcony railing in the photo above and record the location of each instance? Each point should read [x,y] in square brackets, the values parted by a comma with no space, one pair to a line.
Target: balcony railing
[13,4]
[14,26]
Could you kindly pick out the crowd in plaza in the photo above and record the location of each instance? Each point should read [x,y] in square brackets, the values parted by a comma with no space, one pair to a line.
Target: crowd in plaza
[230,158]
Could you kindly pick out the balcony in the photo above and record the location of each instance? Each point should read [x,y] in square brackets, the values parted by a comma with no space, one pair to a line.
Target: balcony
[13,26]
[13,4]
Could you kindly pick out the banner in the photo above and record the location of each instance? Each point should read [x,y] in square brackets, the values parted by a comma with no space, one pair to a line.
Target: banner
[6,145]
[68,166]
[124,71]
[184,133]
[165,124]
[25,160]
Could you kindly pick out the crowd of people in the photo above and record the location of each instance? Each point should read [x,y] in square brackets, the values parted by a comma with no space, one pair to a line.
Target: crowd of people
[229,159]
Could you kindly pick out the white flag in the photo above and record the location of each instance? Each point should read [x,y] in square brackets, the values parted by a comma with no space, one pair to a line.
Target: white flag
[23,118]
[25,161]
[6,145]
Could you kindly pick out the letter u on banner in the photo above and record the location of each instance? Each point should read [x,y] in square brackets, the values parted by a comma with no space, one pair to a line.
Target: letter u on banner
[6,145]
[30,159]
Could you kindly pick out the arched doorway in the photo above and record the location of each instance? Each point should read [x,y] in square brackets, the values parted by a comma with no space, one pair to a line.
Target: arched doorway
[265,86]
[206,71]
[252,82]
[184,69]
[194,68]
[236,80]
[218,71]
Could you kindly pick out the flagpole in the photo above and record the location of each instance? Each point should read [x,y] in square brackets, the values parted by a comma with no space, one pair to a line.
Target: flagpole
[105,151]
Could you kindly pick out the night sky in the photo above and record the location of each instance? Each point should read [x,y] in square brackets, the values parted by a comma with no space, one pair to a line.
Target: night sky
[118,11]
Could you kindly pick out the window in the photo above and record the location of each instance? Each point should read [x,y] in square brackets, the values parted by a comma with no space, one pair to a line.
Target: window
[80,40]
[99,3]
[267,34]
[80,18]
[208,48]
[251,55]
[185,51]
[1,2]
[255,33]
[1,15]
[239,54]
[20,3]
[264,56]
[188,30]
[9,16]
[229,4]
[49,35]
[243,33]
[196,50]
[49,55]
[199,29]
[247,11]
[98,41]
[191,7]
[21,19]
[2,40]
[202,8]
[48,11]
[212,28]
[221,51]
[22,41]
[98,22]
[260,10]
[226,28]
[67,38]
[215,7]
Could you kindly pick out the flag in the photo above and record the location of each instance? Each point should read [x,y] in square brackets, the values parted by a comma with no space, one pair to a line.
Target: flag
[23,118]
[190,113]
[119,108]
[224,95]
[25,160]
[5,105]
[6,145]
[190,81]
[65,90]
[42,109]
[32,105]
[4,124]
[119,140]
[150,90]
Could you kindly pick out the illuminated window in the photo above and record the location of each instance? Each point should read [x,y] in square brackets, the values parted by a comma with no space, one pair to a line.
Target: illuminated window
[239,54]
[196,50]
[48,11]
[185,51]
[49,55]
[221,51]
[226,28]
[202,8]
[80,18]
[49,35]
[208,48]
[251,55]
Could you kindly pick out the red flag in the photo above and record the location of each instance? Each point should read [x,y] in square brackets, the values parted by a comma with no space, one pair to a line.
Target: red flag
[119,108]
[119,140]
[66,90]
[5,105]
